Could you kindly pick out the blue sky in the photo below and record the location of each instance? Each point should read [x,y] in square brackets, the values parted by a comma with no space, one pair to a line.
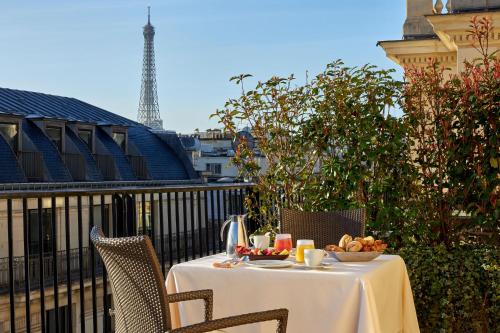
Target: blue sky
[92,50]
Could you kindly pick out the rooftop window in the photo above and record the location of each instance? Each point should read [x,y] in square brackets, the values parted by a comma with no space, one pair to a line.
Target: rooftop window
[55,135]
[120,140]
[10,131]
[86,136]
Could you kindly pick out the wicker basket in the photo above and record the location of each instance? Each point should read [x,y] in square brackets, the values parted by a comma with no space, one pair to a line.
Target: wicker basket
[323,227]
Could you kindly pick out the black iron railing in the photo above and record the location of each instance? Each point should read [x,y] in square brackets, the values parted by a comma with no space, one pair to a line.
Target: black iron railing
[183,222]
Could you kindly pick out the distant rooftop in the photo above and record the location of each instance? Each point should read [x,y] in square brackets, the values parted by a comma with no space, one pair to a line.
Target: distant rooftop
[35,104]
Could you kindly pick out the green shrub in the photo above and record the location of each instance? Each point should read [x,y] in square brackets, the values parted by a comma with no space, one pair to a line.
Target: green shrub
[455,289]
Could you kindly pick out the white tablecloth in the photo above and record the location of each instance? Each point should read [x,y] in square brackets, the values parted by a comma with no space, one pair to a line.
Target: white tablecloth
[361,297]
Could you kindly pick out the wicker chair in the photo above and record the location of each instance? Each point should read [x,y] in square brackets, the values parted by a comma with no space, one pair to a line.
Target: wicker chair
[140,298]
[323,227]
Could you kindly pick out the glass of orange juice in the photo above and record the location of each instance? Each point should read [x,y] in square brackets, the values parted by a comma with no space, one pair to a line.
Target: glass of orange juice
[303,244]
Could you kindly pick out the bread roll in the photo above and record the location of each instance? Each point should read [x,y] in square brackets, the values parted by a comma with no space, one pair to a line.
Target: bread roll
[354,246]
[369,240]
[334,248]
[346,239]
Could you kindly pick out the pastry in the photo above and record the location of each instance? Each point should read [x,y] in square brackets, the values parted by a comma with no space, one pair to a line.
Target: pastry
[334,248]
[346,239]
[354,246]
[379,246]
[369,240]
[361,240]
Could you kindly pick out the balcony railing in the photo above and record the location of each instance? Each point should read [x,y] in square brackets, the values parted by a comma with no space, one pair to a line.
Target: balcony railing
[183,222]
[139,166]
[76,166]
[32,164]
[106,164]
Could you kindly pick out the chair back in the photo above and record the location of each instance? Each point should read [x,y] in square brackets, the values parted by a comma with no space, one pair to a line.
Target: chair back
[137,283]
[323,227]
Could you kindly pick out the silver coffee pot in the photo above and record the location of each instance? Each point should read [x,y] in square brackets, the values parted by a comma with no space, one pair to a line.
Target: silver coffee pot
[237,234]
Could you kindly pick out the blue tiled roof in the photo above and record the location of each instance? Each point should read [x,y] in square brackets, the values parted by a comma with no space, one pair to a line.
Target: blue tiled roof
[162,151]
[93,173]
[10,172]
[164,165]
[124,168]
[50,106]
[53,162]
[172,140]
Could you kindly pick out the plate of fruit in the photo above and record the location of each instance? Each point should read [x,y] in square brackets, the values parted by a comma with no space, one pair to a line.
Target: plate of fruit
[258,254]
[357,249]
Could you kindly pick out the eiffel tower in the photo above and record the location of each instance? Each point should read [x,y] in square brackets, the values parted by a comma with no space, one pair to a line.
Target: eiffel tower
[149,111]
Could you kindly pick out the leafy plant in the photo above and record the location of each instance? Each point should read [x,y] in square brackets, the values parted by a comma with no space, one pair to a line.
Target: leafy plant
[329,144]
[454,125]
[455,289]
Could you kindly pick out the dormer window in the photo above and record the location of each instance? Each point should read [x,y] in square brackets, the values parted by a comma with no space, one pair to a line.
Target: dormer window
[55,135]
[121,140]
[10,132]
[86,136]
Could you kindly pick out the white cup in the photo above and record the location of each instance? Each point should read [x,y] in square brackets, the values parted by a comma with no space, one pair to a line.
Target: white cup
[313,257]
[260,241]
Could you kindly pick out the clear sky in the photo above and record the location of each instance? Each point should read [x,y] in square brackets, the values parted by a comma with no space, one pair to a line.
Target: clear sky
[92,49]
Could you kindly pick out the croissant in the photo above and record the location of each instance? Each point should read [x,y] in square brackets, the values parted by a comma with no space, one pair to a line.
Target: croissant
[346,239]
[369,240]
[354,246]
[334,248]
[361,240]
[379,246]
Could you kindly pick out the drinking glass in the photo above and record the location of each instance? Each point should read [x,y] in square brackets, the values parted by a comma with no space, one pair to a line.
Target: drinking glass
[303,244]
[283,242]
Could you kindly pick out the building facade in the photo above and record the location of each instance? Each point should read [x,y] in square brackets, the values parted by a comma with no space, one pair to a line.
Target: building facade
[211,151]
[438,30]
[54,145]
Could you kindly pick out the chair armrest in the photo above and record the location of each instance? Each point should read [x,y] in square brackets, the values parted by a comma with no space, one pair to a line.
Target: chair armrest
[281,315]
[207,295]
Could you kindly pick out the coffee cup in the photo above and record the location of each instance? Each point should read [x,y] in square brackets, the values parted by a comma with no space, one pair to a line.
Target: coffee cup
[260,241]
[313,257]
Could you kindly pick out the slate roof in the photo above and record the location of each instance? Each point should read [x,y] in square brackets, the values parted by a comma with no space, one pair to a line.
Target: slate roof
[56,168]
[30,103]
[147,142]
[163,153]
[10,172]
[124,168]
[93,172]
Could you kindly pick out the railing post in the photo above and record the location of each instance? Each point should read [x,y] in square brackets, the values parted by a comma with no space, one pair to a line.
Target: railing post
[11,267]
[26,234]
[54,262]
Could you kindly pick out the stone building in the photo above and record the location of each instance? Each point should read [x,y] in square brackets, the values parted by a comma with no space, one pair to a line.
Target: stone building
[438,30]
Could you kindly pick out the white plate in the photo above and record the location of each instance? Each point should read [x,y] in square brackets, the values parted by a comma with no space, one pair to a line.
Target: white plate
[269,263]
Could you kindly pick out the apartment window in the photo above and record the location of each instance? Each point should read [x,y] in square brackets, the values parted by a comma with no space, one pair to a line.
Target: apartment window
[120,140]
[9,132]
[50,319]
[34,231]
[215,168]
[55,135]
[86,136]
